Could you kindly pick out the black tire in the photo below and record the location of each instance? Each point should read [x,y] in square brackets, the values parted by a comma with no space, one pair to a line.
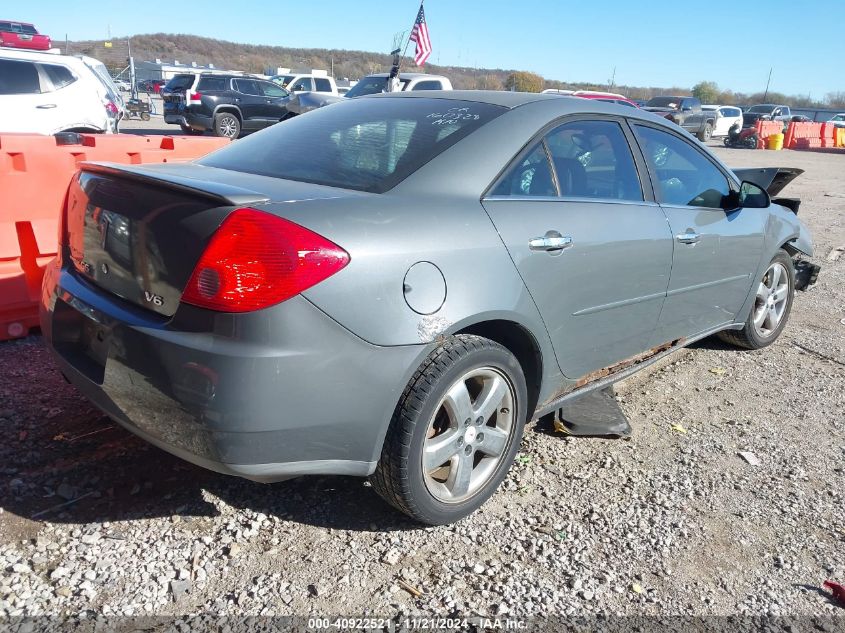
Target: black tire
[145,116]
[227,124]
[749,337]
[187,129]
[399,477]
[705,134]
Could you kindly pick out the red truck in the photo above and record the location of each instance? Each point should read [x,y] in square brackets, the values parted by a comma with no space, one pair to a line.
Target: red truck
[22,35]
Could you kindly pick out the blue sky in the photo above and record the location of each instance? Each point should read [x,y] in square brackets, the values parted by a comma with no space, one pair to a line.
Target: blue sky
[649,43]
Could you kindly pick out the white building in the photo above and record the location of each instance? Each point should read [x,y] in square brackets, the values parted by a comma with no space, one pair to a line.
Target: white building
[164,70]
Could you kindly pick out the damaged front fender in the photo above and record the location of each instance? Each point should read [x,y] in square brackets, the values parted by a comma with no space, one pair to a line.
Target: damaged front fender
[804,242]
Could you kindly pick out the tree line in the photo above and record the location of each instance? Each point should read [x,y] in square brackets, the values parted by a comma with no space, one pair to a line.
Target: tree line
[252,58]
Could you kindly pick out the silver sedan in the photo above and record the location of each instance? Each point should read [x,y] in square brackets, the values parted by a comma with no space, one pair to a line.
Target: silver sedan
[393,286]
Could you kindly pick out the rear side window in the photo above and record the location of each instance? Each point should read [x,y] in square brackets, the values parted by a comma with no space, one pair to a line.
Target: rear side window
[61,76]
[247,87]
[592,159]
[530,176]
[589,159]
[18,78]
[322,85]
[684,175]
[368,144]
[213,83]
[428,85]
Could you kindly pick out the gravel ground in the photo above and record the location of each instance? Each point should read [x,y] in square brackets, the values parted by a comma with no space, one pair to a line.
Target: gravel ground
[672,522]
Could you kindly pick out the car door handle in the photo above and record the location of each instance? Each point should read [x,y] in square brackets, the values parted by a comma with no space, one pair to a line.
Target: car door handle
[551,241]
[46,106]
[690,237]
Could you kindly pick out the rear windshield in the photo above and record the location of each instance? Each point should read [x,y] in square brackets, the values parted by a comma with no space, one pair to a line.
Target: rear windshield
[371,86]
[663,102]
[765,109]
[180,83]
[367,144]
[14,27]
[213,83]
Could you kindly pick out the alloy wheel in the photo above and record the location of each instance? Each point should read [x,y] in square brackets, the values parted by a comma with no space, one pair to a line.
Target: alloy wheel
[468,435]
[229,126]
[771,300]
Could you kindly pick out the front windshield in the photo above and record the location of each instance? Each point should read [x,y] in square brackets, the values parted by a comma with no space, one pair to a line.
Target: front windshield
[765,109]
[371,86]
[282,80]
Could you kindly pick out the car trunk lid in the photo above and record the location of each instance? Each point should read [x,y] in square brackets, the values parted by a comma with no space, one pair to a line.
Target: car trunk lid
[138,232]
[772,179]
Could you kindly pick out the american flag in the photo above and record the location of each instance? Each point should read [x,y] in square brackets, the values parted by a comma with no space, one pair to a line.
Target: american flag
[419,34]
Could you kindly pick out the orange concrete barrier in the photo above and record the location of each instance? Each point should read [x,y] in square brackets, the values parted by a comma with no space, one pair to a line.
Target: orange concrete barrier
[765,129]
[804,136]
[34,175]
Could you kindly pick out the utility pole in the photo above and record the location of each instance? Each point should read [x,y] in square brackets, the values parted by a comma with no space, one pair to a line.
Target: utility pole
[768,81]
[613,79]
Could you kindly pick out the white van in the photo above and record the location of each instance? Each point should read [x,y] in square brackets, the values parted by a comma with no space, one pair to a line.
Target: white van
[46,93]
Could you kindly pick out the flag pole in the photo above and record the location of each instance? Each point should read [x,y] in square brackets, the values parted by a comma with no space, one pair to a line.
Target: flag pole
[408,43]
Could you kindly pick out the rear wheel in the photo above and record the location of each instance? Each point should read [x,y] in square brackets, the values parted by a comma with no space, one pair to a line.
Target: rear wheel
[706,133]
[772,304]
[455,431]
[227,124]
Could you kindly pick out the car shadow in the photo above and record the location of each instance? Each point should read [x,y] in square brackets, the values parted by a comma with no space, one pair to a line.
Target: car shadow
[65,462]
[713,343]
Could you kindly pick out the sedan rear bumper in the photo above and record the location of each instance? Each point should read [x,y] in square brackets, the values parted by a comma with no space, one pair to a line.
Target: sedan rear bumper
[267,395]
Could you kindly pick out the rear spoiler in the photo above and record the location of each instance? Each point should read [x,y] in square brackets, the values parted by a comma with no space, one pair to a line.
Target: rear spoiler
[218,192]
[773,180]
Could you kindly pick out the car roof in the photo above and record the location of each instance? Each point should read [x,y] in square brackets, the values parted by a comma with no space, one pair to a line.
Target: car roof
[493,97]
[406,75]
[38,56]
[511,100]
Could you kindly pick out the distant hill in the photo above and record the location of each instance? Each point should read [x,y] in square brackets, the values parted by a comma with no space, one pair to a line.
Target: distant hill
[254,58]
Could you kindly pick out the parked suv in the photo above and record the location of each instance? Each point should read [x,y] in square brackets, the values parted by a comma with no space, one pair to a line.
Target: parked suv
[45,93]
[685,112]
[227,105]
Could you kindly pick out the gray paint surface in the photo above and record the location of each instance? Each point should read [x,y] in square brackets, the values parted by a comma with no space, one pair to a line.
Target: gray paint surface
[310,385]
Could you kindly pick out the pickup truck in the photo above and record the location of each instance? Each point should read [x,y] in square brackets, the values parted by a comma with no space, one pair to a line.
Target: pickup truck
[371,84]
[685,112]
[765,112]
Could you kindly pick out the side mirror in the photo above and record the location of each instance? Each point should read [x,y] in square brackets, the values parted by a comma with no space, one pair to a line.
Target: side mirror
[749,196]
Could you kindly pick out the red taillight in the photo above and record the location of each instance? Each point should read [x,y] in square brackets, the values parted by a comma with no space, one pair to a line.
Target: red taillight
[111,108]
[196,96]
[256,260]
